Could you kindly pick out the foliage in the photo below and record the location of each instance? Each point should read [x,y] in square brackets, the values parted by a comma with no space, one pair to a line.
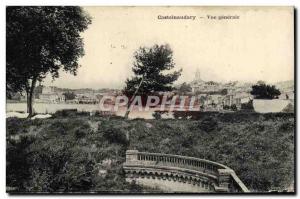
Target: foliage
[208,124]
[224,91]
[69,95]
[62,156]
[247,106]
[259,147]
[150,67]
[264,91]
[65,154]
[113,134]
[157,115]
[184,88]
[65,113]
[233,107]
[41,40]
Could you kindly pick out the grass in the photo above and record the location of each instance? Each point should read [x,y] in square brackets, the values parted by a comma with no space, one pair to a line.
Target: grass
[66,153]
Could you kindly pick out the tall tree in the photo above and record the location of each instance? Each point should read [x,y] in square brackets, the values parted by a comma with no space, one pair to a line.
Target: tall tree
[184,88]
[150,72]
[264,91]
[41,40]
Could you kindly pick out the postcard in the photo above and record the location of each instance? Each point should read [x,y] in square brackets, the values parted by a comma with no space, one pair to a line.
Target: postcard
[143,100]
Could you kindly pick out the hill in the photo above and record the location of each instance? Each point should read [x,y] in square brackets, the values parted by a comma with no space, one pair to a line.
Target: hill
[82,153]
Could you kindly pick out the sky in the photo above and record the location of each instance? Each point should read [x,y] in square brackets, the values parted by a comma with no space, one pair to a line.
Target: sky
[259,45]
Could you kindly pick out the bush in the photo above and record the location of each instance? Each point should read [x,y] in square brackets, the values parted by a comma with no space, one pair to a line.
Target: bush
[65,113]
[247,106]
[156,115]
[64,154]
[114,135]
[209,124]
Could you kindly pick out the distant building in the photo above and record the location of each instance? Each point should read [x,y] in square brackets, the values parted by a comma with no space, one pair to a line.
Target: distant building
[48,90]
[198,85]
[49,95]
[87,98]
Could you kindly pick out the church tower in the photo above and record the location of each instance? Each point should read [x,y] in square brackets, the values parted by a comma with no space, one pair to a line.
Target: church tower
[197,75]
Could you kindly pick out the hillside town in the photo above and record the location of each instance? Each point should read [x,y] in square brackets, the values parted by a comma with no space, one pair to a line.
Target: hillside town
[210,95]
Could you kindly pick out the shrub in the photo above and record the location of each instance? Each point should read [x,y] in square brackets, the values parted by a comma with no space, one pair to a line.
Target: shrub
[65,113]
[209,124]
[157,115]
[114,134]
[247,106]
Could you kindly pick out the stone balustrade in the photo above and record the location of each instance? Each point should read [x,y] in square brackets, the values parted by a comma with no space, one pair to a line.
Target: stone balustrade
[208,175]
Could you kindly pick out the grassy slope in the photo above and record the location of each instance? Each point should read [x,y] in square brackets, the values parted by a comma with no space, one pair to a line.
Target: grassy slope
[61,154]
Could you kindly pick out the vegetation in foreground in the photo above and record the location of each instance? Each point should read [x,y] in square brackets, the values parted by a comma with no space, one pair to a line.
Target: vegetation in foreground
[81,153]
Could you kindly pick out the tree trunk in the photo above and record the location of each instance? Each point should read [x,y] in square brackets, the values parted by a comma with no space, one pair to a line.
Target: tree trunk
[133,96]
[30,93]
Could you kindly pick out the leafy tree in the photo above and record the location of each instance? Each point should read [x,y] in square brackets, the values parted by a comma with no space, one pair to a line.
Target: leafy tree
[69,95]
[224,91]
[185,88]
[41,40]
[149,69]
[233,107]
[264,91]
[247,106]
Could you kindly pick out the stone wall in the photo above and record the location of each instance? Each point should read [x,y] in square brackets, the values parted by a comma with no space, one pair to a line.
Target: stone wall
[173,173]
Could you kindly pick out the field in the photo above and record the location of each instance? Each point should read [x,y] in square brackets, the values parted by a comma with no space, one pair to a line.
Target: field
[82,153]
